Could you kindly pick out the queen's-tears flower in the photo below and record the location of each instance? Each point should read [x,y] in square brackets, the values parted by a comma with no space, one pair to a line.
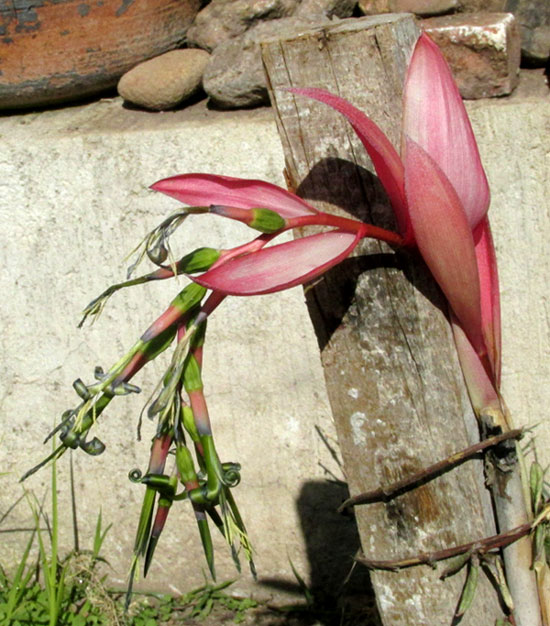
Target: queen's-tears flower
[254,268]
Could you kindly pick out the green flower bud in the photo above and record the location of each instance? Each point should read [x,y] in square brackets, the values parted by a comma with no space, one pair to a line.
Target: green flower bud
[266,221]
[184,463]
[192,379]
[199,260]
[189,297]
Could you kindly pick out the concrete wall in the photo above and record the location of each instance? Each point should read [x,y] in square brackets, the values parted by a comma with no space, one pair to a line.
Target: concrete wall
[74,201]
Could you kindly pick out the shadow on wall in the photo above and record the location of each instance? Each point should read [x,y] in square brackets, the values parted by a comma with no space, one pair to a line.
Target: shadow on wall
[341,593]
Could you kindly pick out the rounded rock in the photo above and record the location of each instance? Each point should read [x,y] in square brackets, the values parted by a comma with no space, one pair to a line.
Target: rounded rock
[165,81]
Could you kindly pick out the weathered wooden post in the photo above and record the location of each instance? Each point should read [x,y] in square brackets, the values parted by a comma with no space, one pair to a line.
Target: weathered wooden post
[392,375]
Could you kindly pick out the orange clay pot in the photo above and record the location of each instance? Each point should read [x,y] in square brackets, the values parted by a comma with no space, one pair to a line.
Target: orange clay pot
[54,51]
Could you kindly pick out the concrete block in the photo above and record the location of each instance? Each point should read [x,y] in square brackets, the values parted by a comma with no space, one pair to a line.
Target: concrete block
[482,49]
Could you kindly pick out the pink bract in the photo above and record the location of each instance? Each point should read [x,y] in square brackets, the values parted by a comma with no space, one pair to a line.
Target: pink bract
[435,118]
[281,266]
[438,190]
[207,189]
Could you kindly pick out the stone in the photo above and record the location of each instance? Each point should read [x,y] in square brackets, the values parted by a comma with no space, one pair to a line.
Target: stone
[328,8]
[235,78]
[483,6]
[431,7]
[482,49]
[418,7]
[165,81]
[424,7]
[223,19]
[373,7]
[534,23]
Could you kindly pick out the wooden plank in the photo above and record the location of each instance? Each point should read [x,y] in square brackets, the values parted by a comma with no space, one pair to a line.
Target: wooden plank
[394,383]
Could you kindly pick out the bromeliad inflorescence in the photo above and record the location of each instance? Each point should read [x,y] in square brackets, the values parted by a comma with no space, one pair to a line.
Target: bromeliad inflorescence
[439,193]
[183,431]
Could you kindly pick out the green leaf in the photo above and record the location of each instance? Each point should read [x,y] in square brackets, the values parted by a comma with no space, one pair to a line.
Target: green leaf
[536,481]
[469,590]
[99,535]
[302,583]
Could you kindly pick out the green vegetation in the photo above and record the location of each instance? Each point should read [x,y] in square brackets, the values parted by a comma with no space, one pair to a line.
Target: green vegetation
[70,590]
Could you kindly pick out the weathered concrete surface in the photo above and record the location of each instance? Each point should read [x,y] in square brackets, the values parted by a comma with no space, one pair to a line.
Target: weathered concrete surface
[74,201]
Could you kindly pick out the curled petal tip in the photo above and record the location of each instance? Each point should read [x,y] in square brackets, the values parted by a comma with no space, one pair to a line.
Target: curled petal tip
[383,155]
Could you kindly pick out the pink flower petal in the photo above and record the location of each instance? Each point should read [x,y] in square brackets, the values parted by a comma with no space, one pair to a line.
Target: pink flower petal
[207,189]
[435,118]
[444,238]
[483,395]
[384,157]
[490,296]
[282,266]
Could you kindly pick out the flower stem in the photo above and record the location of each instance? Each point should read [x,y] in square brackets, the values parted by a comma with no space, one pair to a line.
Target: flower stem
[347,225]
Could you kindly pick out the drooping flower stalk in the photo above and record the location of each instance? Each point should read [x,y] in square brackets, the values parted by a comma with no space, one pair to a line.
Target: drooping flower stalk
[220,477]
[205,489]
[159,451]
